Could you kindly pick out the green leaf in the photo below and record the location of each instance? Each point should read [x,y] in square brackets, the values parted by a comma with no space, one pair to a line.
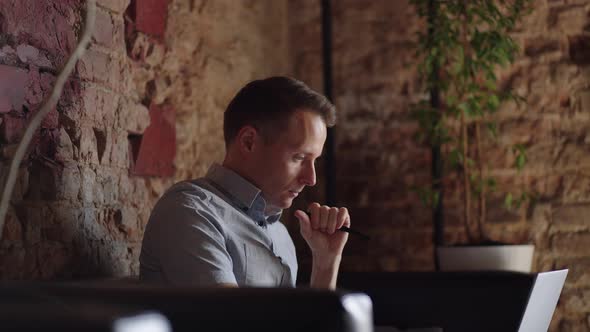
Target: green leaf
[491,183]
[451,100]
[508,201]
[492,129]
[520,162]
[524,196]
[493,102]
[427,196]
[464,107]
[455,157]
[521,158]
[491,83]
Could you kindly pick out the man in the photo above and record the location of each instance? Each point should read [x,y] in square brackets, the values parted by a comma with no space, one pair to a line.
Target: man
[224,229]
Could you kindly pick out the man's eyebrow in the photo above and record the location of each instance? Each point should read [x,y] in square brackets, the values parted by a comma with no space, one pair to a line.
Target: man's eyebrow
[318,157]
[308,153]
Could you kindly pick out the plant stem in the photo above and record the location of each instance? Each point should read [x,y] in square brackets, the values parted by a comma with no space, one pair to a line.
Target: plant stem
[464,134]
[466,184]
[482,194]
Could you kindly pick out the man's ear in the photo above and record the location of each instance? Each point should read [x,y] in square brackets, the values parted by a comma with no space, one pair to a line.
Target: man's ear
[247,139]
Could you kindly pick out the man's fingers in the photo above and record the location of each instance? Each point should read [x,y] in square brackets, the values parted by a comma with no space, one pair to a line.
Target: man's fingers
[314,211]
[343,218]
[332,220]
[327,219]
[324,215]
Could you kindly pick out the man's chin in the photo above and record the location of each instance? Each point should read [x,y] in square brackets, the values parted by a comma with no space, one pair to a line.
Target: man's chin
[286,203]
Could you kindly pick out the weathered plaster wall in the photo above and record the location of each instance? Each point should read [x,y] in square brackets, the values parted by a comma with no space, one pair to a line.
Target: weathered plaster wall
[143,109]
[217,47]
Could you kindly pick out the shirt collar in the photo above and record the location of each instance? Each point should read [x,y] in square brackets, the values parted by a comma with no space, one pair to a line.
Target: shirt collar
[242,192]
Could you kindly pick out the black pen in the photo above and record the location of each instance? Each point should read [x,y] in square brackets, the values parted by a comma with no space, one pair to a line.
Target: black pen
[348,230]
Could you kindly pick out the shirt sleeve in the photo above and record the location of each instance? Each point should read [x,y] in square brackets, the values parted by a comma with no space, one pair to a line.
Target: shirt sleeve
[191,247]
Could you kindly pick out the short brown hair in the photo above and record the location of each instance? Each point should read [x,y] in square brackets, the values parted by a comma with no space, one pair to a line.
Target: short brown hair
[267,104]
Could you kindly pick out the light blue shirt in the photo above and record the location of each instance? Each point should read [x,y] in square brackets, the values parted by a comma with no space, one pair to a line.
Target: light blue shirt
[214,230]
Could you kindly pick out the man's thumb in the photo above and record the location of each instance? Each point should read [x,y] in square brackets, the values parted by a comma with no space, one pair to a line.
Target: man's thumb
[304,222]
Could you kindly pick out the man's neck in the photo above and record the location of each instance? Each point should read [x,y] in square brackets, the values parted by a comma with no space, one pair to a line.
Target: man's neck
[270,209]
[238,169]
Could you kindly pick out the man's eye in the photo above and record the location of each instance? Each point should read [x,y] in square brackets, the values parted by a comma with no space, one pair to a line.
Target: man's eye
[299,158]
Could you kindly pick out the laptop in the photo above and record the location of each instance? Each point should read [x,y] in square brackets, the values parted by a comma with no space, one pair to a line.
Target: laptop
[542,301]
[539,308]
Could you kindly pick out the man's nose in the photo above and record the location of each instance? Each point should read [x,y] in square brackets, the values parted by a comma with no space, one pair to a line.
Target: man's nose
[309,176]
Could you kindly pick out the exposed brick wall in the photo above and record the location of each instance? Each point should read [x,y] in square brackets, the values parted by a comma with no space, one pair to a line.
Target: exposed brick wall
[554,74]
[76,210]
[376,157]
[96,166]
[79,209]
[378,162]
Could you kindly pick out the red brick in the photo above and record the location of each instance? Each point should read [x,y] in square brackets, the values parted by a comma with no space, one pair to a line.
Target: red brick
[50,121]
[27,53]
[151,16]
[47,23]
[97,66]
[114,5]
[575,187]
[579,49]
[11,263]
[48,142]
[52,258]
[104,33]
[110,33]
[13,81]
[571,215]
[584,100]
[100,105]
[39,87]
[579,269]
[568,245]
[539,45]
[12,128]
[157,148]
[13,231]
[575,301]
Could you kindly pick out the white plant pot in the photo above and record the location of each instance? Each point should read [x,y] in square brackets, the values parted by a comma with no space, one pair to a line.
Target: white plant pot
[497,257]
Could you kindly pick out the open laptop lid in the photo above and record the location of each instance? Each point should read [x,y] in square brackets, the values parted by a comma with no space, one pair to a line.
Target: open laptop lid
[542,301]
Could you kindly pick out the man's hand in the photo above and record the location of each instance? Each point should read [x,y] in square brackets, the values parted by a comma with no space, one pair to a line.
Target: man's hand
[326,243]
[320,231]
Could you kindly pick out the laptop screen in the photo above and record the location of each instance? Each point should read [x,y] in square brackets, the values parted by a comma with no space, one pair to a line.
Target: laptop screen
[542,301]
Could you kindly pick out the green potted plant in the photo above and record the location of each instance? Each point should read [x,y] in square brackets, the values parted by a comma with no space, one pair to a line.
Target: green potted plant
[466,43]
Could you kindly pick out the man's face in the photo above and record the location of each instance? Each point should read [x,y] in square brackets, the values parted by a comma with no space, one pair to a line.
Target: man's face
[286,162]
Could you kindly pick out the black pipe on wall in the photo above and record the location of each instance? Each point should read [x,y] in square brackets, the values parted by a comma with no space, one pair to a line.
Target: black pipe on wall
[329,164]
